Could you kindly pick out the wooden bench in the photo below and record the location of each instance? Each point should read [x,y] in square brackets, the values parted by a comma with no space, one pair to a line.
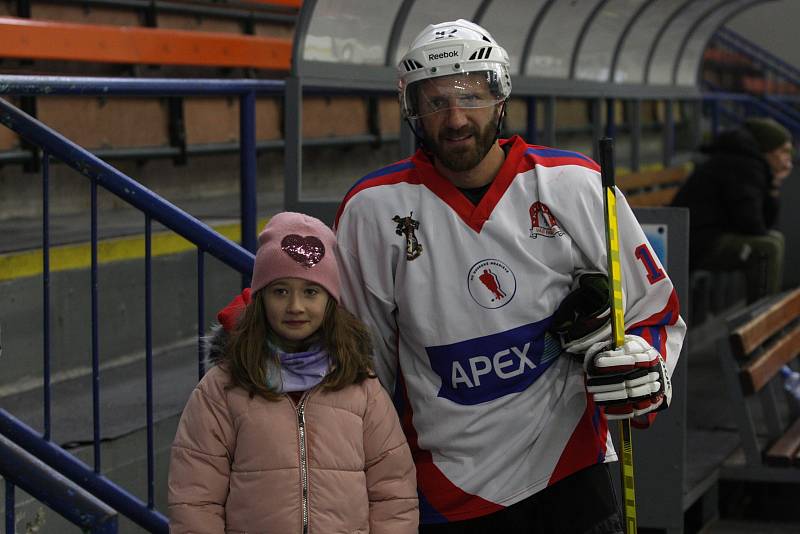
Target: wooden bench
[752,356]
[652,187]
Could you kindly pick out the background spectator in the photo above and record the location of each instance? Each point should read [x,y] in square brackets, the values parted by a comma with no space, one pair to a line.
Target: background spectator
[733,197]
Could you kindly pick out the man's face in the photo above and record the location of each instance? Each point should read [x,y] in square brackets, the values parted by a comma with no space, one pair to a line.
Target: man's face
[459,117]
[780,161]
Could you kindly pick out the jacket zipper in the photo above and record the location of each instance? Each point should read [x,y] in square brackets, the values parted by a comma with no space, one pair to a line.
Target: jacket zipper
[301,422]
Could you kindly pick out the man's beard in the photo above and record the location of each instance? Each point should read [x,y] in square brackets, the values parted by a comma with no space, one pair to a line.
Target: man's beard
[465,158]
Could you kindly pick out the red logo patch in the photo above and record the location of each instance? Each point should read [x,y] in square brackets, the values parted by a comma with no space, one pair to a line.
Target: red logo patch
[543,222]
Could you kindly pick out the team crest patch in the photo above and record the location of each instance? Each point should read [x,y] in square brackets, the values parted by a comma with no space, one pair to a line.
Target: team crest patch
[543,222]
[407,226]
[491,283]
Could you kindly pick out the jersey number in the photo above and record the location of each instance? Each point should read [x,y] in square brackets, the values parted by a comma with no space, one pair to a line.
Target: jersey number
[654,272]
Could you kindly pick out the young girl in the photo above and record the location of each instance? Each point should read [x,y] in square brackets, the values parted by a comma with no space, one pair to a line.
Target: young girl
[291,432]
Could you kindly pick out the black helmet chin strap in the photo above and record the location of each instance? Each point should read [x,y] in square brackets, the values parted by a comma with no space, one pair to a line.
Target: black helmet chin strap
[500,119]
[420,139]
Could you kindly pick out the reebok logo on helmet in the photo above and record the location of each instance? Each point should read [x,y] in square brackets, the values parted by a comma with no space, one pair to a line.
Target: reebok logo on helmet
[443,53]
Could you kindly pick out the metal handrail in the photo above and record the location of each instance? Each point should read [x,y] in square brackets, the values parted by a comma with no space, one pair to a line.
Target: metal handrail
[126,188]
[49,486]
[771,62]
[68,465]
[761,105]
[24,85]
[782,106]
[12,84]
[33,85]
[54,145]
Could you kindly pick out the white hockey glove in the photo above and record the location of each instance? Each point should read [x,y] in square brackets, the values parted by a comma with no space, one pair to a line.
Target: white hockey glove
[628,381]
[584,316]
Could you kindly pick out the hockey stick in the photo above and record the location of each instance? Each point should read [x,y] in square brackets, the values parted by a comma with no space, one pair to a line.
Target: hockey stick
[618,318]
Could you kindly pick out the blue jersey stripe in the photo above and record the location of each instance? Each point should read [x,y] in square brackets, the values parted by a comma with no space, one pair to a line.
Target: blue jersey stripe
[556,153]
[428,513]
[396,167]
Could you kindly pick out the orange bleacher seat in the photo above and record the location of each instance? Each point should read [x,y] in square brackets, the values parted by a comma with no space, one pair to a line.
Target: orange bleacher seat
[44,40]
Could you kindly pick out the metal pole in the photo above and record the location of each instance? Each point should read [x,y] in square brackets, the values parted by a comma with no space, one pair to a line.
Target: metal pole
[550,120]
[669,134]
[293,149]
[46,289]
[635,124]
[95,334]
[201,328]
[247,158]
[148,311]
[611,120]
[532,132]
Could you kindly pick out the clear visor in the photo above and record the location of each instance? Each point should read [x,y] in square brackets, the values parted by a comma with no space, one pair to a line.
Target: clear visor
[469,90]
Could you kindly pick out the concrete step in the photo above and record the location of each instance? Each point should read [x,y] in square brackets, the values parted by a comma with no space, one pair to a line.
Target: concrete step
[123,448]
[25,232]
[121,352]
[121,314]
[122,396]
[124,463]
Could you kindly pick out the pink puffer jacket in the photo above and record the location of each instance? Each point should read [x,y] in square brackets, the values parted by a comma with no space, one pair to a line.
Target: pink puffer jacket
[241,464]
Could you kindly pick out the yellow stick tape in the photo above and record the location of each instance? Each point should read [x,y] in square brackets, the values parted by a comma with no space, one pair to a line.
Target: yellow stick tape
[618,333]
[618,326]
[627,473]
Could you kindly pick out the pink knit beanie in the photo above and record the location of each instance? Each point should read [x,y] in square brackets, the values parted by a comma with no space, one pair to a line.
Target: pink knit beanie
[294,245]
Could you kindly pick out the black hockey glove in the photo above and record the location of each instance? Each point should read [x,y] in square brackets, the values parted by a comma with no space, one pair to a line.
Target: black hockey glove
[627,381]
[584,316]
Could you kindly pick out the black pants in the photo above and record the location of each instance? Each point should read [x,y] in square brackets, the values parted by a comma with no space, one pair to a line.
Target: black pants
[759,256]
[583,503]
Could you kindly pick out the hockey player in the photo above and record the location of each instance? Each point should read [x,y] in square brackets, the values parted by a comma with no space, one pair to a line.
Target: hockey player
[461,259]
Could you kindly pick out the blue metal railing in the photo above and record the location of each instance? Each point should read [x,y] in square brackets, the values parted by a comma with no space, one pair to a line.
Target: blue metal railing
[240,258]
[765,59]
[782,108]
[245,89]
[736,106]
[75,470]
[21,469]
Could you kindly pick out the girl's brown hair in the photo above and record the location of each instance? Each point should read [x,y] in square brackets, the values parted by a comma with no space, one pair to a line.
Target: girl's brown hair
[344,337]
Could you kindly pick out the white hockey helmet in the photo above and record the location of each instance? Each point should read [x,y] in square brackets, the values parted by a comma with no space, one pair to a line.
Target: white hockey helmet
[458,49]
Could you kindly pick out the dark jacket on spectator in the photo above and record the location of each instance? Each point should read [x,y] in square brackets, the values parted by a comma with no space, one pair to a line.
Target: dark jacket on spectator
[728,193]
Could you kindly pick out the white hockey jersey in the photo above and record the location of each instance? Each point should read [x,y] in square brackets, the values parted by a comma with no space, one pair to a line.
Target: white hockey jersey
[459,298]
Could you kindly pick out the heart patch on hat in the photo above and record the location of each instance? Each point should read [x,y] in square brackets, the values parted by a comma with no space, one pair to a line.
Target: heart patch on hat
[307,251]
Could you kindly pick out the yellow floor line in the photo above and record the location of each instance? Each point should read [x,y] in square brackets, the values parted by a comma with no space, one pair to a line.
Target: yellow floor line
[15,265]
